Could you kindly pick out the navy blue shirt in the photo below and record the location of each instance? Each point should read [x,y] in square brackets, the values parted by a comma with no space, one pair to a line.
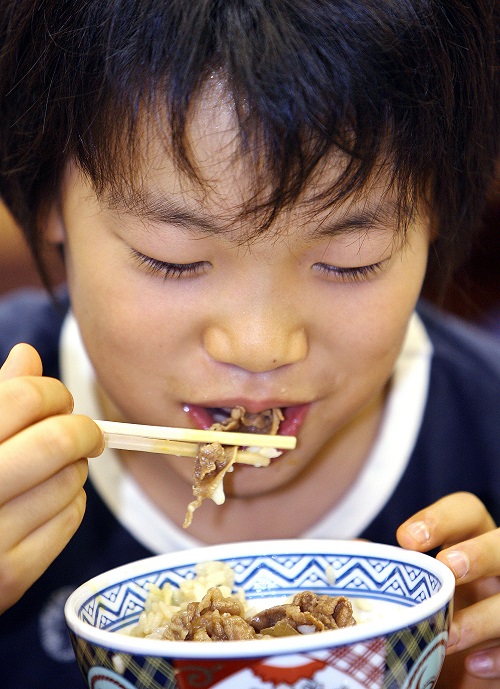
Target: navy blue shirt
[458,449]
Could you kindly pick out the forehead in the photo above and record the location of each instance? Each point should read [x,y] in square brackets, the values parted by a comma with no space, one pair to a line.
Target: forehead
[225,182]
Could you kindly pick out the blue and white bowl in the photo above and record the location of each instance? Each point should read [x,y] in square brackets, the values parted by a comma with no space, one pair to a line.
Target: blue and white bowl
[406,596]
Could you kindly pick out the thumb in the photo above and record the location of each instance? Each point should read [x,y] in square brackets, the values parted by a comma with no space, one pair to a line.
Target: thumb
[23,360]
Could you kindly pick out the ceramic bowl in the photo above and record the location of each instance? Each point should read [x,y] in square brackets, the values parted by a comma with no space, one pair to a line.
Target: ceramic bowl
[400,643]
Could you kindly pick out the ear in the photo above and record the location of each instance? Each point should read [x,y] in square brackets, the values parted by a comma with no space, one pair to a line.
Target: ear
[430,222]
[51,224]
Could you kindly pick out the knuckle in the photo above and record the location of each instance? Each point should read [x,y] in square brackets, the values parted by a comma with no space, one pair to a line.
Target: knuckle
[461,503]
[90,431]
[23,393]
[70,480]
[476,509]
[60,438]
[71,436]
[82,470]
[34,395]
[77,475]
[74,513]
[65,437]
[470,498]
[10,583]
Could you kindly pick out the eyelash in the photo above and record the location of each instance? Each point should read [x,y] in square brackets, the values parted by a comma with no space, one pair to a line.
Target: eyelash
[170,271]
[176,271]
[350,274]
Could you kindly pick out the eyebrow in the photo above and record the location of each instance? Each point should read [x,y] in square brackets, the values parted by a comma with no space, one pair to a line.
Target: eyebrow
[148,205]
[381,215]
[159,209]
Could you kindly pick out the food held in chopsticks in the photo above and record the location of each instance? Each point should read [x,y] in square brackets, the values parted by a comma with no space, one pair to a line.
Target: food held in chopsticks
[215,451]
[214,461]
[184,442]
[210,466]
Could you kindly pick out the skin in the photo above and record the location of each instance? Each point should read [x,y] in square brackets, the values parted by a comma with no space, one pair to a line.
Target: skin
[460,525]
[273,322]
[42,472]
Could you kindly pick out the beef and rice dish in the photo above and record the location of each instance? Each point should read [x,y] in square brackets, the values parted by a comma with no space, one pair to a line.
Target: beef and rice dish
[197,613]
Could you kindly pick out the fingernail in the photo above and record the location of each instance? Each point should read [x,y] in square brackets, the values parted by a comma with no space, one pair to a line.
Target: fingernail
[459,563]
[419,531]
[480,664]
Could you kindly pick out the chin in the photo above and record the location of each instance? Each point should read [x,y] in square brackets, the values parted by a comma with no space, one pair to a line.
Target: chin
[254,482]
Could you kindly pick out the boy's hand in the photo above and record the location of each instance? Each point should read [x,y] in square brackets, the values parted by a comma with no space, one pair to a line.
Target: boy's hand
[42,470]
[470,545]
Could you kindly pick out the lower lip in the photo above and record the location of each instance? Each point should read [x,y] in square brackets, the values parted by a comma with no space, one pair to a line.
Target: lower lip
[294,417]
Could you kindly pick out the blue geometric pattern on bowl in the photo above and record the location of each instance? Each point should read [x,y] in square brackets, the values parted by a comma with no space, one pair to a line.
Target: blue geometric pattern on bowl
[120,605]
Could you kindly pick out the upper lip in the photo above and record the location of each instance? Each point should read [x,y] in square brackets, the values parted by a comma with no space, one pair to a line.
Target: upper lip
[251,406]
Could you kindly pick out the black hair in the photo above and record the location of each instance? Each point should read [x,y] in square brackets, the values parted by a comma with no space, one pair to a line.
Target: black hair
[409,83]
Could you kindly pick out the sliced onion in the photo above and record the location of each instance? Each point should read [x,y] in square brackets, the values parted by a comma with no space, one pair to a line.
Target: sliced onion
[306,628]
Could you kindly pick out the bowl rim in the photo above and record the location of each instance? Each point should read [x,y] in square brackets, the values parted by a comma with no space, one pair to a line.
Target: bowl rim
[117,642]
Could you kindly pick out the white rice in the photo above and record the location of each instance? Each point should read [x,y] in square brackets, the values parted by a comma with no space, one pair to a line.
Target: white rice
[162,603]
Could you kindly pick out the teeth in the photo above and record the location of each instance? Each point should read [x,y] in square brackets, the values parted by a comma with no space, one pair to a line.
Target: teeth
[220,415]
[267,452]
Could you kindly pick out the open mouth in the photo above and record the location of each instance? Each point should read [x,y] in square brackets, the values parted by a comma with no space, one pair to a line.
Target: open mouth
[238,419]
[276,420]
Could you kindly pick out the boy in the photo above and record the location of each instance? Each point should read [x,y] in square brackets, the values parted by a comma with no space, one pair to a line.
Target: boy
[247,196]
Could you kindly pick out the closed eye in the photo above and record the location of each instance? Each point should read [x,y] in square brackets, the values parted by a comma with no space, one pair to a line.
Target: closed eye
[356,274]
[168,270]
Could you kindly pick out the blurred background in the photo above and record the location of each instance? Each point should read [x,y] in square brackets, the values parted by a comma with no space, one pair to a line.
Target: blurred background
[475,292]
[17,267]
[474,295]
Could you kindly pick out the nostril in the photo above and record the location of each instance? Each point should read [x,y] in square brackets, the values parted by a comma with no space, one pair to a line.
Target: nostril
[217,344]
[256,349]
[257,345]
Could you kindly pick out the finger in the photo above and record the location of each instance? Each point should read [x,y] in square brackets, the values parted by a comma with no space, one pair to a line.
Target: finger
[484,663]
[31,457]
[28,399]
[27,562]
[23,360]
[475,625]
[453,518]
[29,511]
[474,559]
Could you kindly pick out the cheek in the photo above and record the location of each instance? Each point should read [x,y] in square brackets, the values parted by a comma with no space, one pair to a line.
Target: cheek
[118,323]
[395,301]
[367,328]
[115,310]
[369,323]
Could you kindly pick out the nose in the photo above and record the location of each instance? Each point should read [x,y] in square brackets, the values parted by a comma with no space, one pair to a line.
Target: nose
[257,340]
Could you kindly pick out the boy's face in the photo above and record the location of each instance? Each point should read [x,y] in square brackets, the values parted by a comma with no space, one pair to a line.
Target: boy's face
[179,315]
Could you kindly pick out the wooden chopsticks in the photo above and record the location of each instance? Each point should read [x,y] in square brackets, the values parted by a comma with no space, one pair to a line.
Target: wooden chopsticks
[184,442]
